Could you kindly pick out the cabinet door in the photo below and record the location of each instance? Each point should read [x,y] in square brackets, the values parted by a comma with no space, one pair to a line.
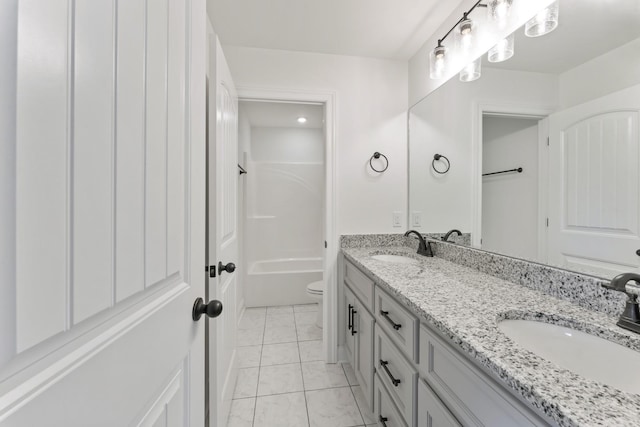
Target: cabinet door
[349,307]
[431,411]
[363,367]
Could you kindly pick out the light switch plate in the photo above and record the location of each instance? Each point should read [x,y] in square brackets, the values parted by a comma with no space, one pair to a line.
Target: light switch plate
[416,219]
[397,221]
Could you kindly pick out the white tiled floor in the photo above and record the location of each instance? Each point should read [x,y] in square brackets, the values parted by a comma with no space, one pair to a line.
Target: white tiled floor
[283,381]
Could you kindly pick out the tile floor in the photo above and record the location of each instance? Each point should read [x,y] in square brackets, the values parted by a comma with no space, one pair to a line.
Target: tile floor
[283,382]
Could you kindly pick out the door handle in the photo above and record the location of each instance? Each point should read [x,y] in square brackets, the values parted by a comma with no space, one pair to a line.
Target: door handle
[213,309]
[229,268]
[638,252]
[350,318]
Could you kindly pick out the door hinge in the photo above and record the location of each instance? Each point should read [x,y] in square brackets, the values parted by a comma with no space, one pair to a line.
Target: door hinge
[547,141]
[547,222]
[211,269]
[325,244]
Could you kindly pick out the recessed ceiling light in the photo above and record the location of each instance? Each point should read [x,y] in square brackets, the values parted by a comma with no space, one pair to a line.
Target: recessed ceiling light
[302,120]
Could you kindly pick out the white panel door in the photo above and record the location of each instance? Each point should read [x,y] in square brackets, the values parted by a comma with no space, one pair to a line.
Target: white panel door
[594,185]
[223,232]
[107,204]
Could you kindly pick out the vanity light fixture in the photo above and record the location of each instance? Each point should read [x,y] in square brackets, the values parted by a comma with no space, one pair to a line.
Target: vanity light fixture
[464,35]
[498,11]
[544,22]
[302,120]
[503,50]
[471,71]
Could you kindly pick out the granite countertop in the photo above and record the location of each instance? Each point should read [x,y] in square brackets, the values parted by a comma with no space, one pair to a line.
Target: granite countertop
[465,306]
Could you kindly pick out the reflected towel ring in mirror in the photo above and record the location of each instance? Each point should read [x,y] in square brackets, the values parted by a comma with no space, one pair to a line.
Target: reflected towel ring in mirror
[377,155]
[439,157]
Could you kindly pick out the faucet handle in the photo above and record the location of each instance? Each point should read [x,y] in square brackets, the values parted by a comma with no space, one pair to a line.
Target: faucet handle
[632,288]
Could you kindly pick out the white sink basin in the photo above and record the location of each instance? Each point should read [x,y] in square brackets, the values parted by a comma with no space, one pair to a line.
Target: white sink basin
[584,354]
[398,259]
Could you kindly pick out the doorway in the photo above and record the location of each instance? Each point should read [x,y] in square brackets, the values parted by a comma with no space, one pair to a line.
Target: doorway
[510,185]
[329,241]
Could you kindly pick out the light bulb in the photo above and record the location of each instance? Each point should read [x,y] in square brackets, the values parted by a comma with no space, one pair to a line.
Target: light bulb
[437,62]
[503,50]
[465,35]
[544,22]
[302,120]
[499,10]
[471,71]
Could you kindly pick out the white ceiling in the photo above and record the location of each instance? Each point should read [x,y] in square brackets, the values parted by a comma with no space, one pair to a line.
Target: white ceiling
[586,29]
[282,114]
[393,29]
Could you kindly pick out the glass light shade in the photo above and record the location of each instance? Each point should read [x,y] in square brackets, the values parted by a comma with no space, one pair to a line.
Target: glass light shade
[503,50]
[498,11]
[544,22]
[471,71]
[464,35]
[437,62]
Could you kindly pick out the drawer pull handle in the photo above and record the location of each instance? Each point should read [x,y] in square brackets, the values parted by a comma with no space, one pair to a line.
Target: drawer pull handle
[350,317]
[353,321]
[383,420]
[395,325]
[394,380]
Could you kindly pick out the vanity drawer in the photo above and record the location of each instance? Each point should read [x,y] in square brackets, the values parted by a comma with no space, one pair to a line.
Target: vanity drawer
[431,411]
[360,284]
[397,374]
[471,395]
[398,322]
[385,411]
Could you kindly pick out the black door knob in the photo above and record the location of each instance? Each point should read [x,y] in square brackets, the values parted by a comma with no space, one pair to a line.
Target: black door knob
[638,252]
[229,268]
[213,309]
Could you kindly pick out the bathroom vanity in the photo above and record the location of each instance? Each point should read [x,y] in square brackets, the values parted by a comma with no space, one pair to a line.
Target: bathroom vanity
[422,335]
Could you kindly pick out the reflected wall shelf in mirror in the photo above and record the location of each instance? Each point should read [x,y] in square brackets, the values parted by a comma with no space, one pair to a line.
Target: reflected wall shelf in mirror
[574,95]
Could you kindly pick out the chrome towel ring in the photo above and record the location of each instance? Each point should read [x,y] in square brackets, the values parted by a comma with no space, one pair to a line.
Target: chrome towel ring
[377,155]
[438,158]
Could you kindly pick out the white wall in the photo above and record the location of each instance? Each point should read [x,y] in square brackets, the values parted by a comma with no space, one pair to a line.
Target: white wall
[370,116]
[289,145]
[443,123]
[613,71]
[285,188]
[510,201]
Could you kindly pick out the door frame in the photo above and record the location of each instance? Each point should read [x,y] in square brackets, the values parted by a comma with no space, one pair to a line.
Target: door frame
[328,99]
[480,109]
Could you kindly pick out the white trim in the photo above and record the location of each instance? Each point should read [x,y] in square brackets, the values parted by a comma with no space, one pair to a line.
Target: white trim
[503,110]
[328,99]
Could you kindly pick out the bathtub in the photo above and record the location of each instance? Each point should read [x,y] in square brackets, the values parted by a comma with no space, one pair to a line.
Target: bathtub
[281,281]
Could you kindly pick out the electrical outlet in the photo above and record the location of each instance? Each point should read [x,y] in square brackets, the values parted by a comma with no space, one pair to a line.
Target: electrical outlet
[416,219]
[397,221]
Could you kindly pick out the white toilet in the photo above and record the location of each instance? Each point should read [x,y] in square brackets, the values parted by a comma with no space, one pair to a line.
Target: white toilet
[315,290]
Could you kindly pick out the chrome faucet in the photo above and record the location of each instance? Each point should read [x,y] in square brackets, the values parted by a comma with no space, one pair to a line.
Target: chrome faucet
[424,248]
[630,317]
[445,238]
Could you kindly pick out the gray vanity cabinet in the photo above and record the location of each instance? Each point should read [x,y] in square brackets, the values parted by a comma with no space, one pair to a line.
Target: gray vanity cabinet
[359,330]
[431,411]
[417,378]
